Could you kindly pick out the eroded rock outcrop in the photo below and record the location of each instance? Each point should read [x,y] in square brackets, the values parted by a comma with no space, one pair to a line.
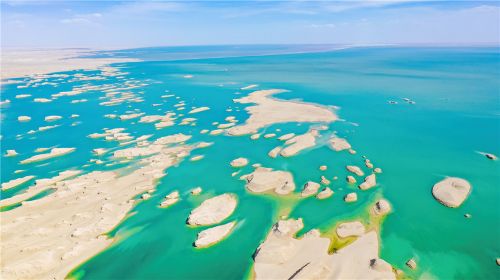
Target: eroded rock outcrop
[356,170]
[300,143]
[239,162]
[281,256]
[451,191]
[310,188]
[213,210]
[213,235]
[370,181]
[339,144]
[263,179]
[53,153]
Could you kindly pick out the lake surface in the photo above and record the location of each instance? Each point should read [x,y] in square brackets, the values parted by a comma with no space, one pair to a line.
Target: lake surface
[456,115]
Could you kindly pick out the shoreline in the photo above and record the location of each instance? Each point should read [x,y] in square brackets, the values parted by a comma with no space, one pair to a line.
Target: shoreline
[77,57]
[29,62]
[74,58]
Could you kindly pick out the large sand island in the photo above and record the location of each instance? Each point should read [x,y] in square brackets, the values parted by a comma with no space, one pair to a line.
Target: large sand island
[270,111]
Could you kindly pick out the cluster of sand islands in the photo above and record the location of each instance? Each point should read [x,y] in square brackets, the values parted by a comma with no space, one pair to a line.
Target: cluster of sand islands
[48,237]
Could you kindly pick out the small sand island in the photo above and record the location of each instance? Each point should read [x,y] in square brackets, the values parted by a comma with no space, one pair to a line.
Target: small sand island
[451,192]
[213,235]
[53,153]
[263,179]
[213,210]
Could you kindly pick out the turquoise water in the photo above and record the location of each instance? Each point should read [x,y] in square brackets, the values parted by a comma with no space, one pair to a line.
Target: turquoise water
[456,115]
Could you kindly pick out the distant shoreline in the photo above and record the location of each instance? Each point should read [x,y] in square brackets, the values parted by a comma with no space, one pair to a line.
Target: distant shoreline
[19,62]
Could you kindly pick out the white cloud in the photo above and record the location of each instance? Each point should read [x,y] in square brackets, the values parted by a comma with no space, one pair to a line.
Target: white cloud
[17,23]
[483,8]
[76,20]
[329,25]
[145,7]
[89,16]
[83,19]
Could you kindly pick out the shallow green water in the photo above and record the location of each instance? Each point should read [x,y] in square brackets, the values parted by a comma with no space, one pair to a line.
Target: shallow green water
[456,91]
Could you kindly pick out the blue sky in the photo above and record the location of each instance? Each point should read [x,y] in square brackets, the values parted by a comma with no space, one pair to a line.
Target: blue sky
[163,23]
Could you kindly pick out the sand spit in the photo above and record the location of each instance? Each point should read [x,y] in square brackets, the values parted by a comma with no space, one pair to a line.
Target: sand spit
[107,133]
[213,210]
[16,182]
[204,144]
[274,152]
[11,153]
[286,136]
[281,256]
[216,132]
[155,118]
[239,162]
[164,124]
[42,100]
[270,111]
[23,95]
[52,118]
[310,188]
[249,87]
[213,235]
[53,153]
[300,143]
[339,144]
[131,116]
[356,170]
[326,193]
[23,118]
[40,186]
[65,228]
[451,192]
[176,138]
[197,110]
[195,158]
[370,181]
[136,151]
[263,179]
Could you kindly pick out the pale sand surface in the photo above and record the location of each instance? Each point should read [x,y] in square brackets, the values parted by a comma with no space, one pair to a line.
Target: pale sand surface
[22,62]
[270,111]
[48,237]
[282,256]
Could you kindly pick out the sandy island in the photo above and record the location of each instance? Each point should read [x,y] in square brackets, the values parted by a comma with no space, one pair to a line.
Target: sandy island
[270,111]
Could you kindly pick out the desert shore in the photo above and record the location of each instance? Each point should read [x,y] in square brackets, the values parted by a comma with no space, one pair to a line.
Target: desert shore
[23,62]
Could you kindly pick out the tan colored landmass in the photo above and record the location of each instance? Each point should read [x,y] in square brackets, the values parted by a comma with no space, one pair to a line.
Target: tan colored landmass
[63,229]
[22,62]
[282,256]
[270,111]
